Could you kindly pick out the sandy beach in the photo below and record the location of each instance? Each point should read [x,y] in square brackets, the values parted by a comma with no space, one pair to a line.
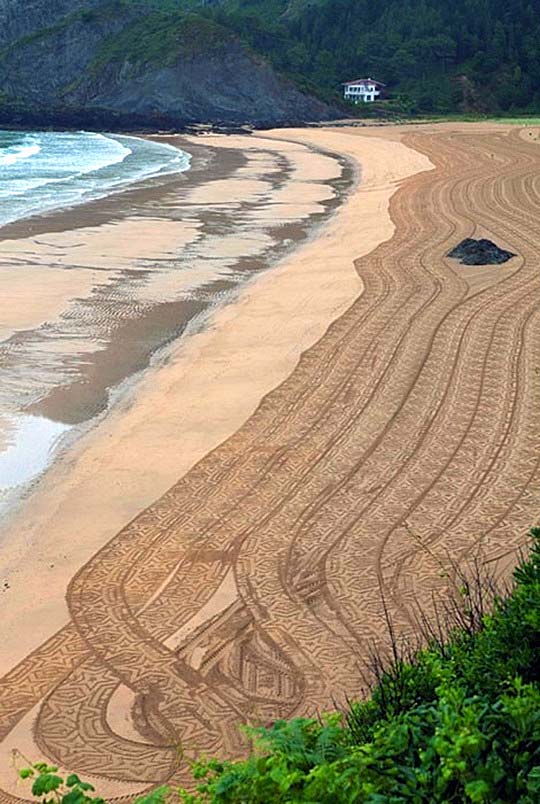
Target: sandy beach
[212,549]
[95,292]
[209,386]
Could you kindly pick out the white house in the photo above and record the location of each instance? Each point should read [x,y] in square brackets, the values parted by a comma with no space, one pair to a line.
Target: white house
[363,90]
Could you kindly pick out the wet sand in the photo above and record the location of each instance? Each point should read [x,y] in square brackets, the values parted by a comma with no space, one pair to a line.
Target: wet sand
[202,389]
[95,292]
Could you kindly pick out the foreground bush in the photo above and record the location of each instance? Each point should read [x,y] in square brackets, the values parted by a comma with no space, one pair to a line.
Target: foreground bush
[458,722]
[458,748]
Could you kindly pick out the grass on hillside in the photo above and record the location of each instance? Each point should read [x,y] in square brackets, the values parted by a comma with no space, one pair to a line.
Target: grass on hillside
[519,121]
[458,721]
[159,39]
[108,10]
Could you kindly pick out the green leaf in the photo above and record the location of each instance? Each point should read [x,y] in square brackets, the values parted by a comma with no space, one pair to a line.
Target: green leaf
[533,781]
[74,797]
[477,790]
[46,783]
[157,796]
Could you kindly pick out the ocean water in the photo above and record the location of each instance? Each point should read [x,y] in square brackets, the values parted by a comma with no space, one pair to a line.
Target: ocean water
[41,171]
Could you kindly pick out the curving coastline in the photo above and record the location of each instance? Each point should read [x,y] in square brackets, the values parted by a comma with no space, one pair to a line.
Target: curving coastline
[95,293]
[43,171]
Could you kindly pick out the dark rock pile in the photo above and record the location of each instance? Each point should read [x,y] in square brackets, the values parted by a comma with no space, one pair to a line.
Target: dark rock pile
[480,252]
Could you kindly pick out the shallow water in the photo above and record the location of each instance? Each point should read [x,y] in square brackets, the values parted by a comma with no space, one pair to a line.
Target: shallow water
[32,442]
[39,172]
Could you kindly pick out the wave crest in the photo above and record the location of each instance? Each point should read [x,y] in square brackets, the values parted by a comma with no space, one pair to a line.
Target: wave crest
[19,153]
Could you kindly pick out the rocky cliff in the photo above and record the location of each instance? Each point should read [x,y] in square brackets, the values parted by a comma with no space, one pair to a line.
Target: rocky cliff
[20,18]
[91,60]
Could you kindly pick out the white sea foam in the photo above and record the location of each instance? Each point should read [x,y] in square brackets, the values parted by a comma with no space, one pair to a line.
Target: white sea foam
[42,171]
[32,443]
[19,154]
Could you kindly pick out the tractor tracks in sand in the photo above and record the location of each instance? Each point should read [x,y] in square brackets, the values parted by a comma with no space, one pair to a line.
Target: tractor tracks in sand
[407,440]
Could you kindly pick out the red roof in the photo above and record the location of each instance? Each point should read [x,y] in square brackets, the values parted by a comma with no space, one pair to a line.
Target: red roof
[364,81]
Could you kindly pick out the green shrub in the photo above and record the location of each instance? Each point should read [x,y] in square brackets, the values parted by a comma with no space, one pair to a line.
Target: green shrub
[458,749]
[51,788]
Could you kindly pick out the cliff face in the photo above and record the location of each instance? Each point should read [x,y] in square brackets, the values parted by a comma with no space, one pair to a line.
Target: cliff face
[38,66]
[83,59]
[227,85]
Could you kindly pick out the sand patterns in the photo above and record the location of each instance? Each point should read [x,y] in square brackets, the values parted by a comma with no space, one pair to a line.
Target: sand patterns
[409,434]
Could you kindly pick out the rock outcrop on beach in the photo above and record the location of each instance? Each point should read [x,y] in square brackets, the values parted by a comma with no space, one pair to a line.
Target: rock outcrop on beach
[480,252]
[118,63]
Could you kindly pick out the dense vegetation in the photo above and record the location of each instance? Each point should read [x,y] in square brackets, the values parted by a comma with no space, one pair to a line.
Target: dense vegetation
[467,55]
[159,39]
[459,721]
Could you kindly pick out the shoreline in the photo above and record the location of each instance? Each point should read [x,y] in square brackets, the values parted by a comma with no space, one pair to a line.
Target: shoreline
[204,391]
[80,405]
[135,155]
[230,365]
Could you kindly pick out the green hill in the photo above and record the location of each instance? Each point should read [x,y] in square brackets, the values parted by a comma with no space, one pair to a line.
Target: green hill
[120,64]
[479,55]
[468,55]
[263,61]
